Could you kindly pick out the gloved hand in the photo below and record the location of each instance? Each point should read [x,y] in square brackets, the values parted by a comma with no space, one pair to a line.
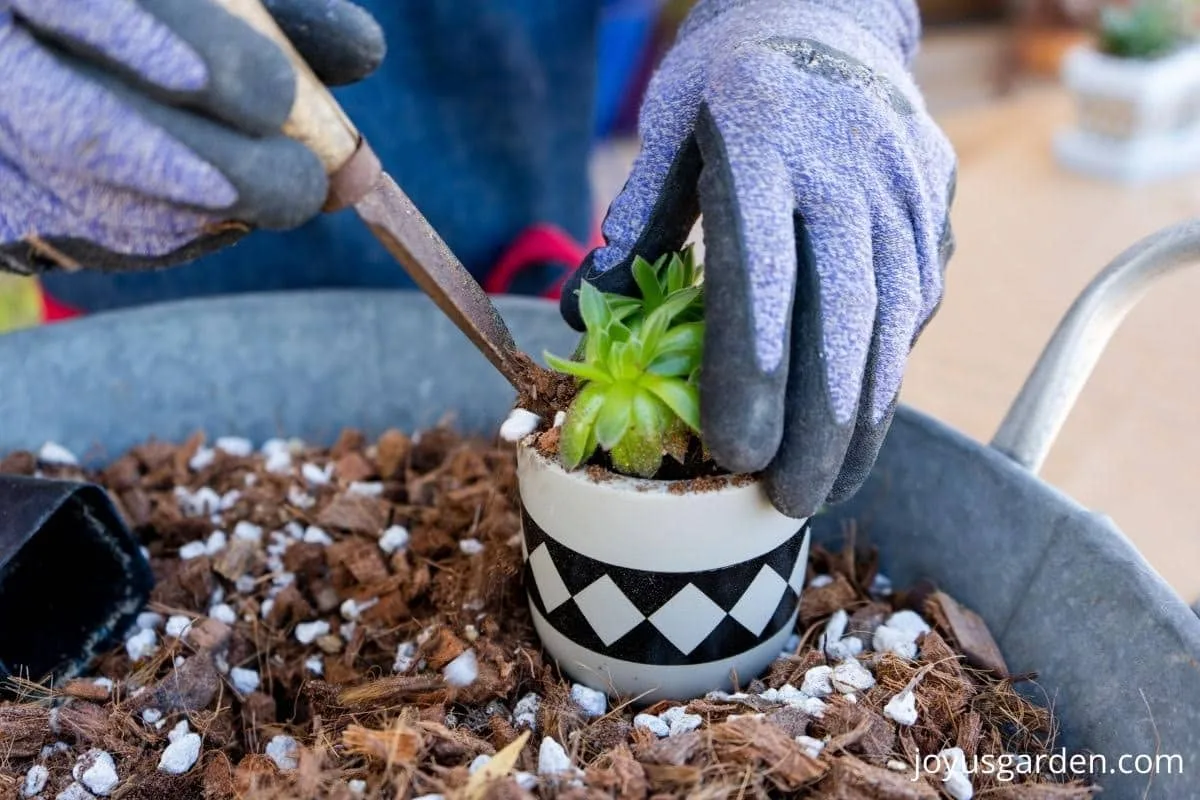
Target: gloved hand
[142,133]
[795,128]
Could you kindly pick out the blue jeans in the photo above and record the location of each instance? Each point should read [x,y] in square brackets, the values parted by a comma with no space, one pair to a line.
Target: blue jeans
[482,112]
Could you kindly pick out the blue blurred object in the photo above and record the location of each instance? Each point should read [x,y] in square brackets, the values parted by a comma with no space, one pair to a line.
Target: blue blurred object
[626,28]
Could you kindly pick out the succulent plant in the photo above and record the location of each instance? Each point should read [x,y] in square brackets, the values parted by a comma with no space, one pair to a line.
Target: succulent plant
[637,368]
[1143,29]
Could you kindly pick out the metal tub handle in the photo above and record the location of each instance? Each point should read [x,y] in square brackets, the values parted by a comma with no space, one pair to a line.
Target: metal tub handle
[1040,409]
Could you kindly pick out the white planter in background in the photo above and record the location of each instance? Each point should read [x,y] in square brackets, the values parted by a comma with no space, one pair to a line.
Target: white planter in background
[1137,120]
[643,589]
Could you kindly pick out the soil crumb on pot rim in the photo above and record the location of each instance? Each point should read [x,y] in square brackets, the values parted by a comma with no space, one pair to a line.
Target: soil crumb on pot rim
[433,670]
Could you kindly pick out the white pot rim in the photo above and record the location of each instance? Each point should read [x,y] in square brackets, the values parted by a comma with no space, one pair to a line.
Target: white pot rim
[615,481]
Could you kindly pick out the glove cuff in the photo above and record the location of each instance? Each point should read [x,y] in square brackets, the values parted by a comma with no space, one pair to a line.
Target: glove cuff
[897,23]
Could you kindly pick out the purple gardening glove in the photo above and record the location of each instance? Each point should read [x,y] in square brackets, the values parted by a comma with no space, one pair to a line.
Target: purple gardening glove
[795,128]
[143,133]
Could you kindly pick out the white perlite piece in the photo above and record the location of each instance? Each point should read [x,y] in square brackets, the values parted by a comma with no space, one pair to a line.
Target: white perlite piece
[151,716]
[850,676]
[177,625]
[406,652]
[686,723]
[560,417]
[526,712]
[653,724]
[315,665]
[202,459]
[300,498]
[309,632]
[463,670]
[881,585]
[35,780]
[481,761]
[357,786]
[820,580]
[314,535]
[236,446]
[352,609]
[553,759]
[902,708]
[593,703]
[526,780]
[204,502]
[520,423]
[104,683]
[892,640]
[244,680]
[366,488]
[54,453]
[74,792]
[471,547]
[215,543]
[954,778]
[279,463]
[811,746]
[284,751]
[267,606]
[97,771]
[836,644]
[393,539]
[149,620]
[192,550]
[899,633]
[180,730]
[245,584]
[817,683]
[230,499]
[223,612]
[248,531]
[316,475]
[181,754]
[141,645]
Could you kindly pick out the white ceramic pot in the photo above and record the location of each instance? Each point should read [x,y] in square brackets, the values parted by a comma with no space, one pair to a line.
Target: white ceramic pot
[1138,120]
[643,589]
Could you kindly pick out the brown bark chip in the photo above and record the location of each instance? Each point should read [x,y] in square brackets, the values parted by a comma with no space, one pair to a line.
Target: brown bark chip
[355,513]
[342,647]
[851,779]
[968,631]
[822,601]
[764,748]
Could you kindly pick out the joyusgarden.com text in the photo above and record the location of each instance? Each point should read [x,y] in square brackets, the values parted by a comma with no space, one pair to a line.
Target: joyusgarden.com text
[1007,767]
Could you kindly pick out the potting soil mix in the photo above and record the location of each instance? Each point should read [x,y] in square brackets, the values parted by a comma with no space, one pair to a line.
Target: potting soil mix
[351,622]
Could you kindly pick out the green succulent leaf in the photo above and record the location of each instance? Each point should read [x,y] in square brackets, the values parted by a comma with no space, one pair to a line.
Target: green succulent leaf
[577,441]
[616,415]
[674,365]
[687,337]
[579,369]
[646,277]
[593,307]
[680,396]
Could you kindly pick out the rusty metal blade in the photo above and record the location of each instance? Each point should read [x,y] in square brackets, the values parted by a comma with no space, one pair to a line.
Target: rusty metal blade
[408,236]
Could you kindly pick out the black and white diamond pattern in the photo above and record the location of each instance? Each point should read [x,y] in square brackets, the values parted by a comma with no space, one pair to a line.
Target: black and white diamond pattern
[663,618]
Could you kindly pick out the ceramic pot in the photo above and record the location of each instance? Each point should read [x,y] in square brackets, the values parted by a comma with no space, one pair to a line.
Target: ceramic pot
[1138,120]
[652,589]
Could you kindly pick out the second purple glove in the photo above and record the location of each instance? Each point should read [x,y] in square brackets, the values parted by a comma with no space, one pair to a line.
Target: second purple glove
[144,133]
[795,129]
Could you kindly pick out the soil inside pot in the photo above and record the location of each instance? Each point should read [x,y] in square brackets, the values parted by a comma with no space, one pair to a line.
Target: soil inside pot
[358,627]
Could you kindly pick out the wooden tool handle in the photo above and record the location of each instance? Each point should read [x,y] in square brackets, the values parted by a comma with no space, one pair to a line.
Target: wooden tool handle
[316,121]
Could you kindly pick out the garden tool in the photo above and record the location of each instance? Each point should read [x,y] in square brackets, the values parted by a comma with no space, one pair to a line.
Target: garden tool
[72,577]
[357,179]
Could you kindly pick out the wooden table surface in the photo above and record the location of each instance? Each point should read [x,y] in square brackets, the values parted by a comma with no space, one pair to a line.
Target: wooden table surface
[1030,237]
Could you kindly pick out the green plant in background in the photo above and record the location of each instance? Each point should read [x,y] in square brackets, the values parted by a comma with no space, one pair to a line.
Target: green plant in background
[638,366]
[1145,29]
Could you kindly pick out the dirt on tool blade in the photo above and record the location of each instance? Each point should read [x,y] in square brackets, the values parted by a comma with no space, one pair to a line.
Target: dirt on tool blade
[350,622]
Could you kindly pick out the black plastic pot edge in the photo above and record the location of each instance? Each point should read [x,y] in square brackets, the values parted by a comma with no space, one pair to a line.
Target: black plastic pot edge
[72,577]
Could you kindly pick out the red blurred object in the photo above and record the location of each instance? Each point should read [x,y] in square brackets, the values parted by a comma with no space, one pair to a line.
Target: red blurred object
[54,311]
[539,244]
